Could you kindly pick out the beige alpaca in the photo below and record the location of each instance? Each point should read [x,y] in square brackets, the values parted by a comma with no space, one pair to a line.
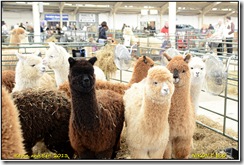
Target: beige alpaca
[146,115]
[181,116]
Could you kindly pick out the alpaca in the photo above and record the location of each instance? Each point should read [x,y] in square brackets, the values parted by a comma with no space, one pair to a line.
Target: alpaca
[12,139]
[56,58]
[30,73]
[181,115]
[198,72]
[143,64]
[97,117]
[18,35]
[18,38]
[146,115]
[44,116]
[8,79]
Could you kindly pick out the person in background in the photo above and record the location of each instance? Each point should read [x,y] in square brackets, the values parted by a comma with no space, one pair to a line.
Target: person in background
[218,37]
[4,31]
[152,28]
[229,35]
[124,25]
[165,29]
[21,25]
[102,30]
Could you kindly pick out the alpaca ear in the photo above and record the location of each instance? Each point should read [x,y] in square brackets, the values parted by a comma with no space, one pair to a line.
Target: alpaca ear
[187,58]
[20,56]
[92,60]
[167,56]
[145,59]
[72,61]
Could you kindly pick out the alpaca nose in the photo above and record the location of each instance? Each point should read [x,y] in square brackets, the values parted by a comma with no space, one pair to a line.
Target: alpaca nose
[175,73]
[165,89]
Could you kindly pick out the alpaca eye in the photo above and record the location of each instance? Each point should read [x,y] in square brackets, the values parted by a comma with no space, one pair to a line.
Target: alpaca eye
[201,68]
[192,68]
[33,65]
[51,56]
[155,82]
[183,71]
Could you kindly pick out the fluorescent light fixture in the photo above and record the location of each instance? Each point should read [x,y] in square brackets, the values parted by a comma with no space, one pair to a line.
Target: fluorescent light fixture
[145,7]
[153,11]
[144,12]
[20,2]
[214,9]
[45,3]
[90,5]
[29,3]
[126,6]
[79,5]
[130,6]
[68,4]
[233,2]
[225,9]
[179,8]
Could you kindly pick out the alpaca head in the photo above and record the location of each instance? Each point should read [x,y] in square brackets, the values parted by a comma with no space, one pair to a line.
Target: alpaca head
[55,56]
[30,65]
[144,62]
[159,84]
[17,35]
[178,66]
[81,74]
[197,67]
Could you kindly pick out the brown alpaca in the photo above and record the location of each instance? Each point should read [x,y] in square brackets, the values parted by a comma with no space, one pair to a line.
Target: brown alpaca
[12,139]
[97,117]
[8,79]
[181,116]
[141,68]
[143,64]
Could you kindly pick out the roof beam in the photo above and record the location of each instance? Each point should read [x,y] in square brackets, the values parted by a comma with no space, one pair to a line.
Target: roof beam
[116,7]
[61,6]
[76,9]
[229,13]
[209,7]
[164,8]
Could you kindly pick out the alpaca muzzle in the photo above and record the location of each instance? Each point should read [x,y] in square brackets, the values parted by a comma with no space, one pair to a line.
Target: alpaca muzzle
[86,81]
[176,76]
[165,89]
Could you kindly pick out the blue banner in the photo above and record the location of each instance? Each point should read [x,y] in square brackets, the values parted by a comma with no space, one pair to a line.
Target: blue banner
[56,17]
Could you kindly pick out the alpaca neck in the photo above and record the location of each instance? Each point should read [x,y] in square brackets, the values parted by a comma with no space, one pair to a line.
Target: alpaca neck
[26,83]
[155,112]
[84,109]
[195,92]
[183,94]
[62,72]
[61,75]
[138,75]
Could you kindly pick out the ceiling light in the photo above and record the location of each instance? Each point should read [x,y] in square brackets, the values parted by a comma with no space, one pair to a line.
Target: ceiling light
[225,9]
[144,12]
[79,5]
[153,11]
[20,2]
[45,3]
[68,4]
[214,9]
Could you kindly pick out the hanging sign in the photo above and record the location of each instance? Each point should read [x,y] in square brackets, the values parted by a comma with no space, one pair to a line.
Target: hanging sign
[87,17]
[56,17]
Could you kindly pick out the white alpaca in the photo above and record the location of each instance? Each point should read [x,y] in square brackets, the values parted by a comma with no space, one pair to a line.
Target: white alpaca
[198,72]
[29,73]
[56,58]
[146,115]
